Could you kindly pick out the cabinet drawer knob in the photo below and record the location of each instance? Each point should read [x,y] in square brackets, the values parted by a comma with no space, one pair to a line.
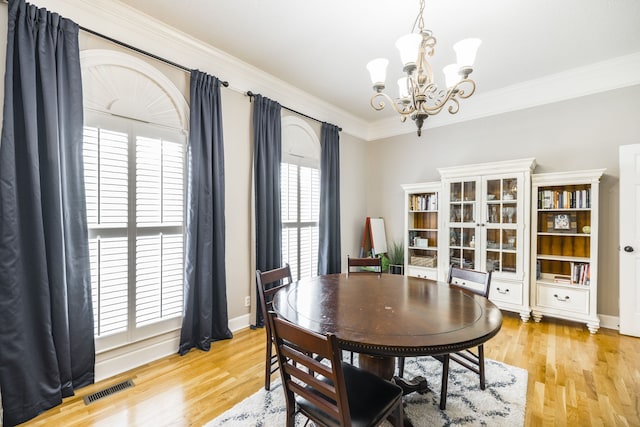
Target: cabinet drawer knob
[500,291]
[565,299]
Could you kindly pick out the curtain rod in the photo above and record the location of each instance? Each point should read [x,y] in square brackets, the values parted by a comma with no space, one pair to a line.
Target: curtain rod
[144,52]
[251,95]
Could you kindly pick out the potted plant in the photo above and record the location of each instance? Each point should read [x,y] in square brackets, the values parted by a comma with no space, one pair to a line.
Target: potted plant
[396,258]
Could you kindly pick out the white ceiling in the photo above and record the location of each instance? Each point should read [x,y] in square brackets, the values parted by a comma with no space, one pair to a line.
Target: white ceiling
[322,46]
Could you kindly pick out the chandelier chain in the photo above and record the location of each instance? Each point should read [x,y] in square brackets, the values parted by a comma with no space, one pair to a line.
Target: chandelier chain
[419,19]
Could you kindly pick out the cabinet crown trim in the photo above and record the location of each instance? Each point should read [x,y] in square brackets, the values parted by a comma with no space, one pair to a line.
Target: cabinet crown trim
[422,186]
[506,166]
[568,178]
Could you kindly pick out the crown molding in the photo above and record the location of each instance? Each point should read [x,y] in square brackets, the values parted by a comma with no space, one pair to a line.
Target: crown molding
[120,21]
[599,77]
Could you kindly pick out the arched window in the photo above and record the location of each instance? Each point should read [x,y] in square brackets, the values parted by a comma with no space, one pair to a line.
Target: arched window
[300,197]
[134,158]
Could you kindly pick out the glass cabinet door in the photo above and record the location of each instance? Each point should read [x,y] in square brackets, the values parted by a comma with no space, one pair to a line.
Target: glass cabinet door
[501,224]
[463,201]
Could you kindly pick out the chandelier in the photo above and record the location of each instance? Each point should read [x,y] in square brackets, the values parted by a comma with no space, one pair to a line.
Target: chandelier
[419,96]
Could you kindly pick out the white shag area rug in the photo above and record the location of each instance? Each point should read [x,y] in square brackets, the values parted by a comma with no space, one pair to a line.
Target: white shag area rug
[502,403]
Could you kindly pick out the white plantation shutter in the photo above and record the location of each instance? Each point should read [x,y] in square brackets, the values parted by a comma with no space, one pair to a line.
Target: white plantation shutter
[290,248]
[300,206]
[158,277]
[159,182]
[136,243]
[110,287]
[106,177]
[309,194]
[309,251]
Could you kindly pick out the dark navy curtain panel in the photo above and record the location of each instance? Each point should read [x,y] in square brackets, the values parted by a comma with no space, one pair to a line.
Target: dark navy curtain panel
[329,253]
[46,319]
[205,316]
[267,149]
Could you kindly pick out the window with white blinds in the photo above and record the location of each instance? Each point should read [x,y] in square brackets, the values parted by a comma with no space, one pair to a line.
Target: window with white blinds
[134,178]
[300,207]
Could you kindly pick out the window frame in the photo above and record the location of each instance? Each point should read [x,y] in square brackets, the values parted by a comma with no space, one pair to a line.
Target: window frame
[300,147]
[135,128]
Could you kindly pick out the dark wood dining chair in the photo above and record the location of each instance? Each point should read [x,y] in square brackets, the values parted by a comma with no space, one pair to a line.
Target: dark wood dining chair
[472,281]
[364,265]
[330,393]
[477,282]
[268,283]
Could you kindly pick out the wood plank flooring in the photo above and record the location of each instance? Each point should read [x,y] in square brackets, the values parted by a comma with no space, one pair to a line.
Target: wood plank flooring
[575,379]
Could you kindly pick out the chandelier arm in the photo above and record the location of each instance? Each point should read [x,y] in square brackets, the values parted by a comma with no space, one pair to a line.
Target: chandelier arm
[454,105]
[449,99]
[465,93]
[403,112]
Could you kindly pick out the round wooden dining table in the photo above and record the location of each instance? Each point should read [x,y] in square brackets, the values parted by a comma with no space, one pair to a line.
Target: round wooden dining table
[383,317]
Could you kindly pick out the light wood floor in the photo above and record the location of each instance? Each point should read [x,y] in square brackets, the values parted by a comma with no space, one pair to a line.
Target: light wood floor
[575,379]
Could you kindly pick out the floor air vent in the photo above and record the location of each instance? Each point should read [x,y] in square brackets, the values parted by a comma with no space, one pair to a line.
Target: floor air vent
[108,391]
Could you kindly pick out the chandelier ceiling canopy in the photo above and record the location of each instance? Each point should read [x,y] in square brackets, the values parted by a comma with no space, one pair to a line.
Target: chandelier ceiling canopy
[419,97]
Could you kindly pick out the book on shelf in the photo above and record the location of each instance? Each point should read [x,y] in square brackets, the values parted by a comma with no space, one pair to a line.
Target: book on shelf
[581,273]
[423,202]
[564,199]
[565,280]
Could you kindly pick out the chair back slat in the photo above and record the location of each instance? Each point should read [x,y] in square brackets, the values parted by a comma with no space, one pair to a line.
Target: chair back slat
[477,282]
[299,357]
[298,350]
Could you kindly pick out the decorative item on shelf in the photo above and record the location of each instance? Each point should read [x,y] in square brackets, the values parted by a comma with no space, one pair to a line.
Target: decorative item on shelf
[472,243]
[562,222]
[423,261]
[586,229]
[419,96]
[421,242]
[509,213]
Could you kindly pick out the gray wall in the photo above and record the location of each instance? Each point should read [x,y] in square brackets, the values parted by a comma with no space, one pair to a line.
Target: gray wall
[583,133]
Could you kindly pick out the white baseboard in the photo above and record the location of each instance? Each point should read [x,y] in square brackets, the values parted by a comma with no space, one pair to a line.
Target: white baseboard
[609,322]
[116,361]
[121,359]
[240,322]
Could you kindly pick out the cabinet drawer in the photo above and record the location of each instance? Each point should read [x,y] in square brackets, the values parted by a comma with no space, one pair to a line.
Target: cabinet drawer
[423,273]
[506,292]
[574,300]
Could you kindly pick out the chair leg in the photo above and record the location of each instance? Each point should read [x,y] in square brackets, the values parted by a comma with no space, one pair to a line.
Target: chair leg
[267,366]
[400,366]
[445,381]
[398,415]
[291,411]
[481,365]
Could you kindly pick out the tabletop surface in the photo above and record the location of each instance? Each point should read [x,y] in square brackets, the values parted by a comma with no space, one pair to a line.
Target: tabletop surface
[391,315]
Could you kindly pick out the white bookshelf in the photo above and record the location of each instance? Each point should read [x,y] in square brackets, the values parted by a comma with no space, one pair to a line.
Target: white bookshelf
[564,246]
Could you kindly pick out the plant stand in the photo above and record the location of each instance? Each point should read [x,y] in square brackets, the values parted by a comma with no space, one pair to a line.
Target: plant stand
[396,269]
